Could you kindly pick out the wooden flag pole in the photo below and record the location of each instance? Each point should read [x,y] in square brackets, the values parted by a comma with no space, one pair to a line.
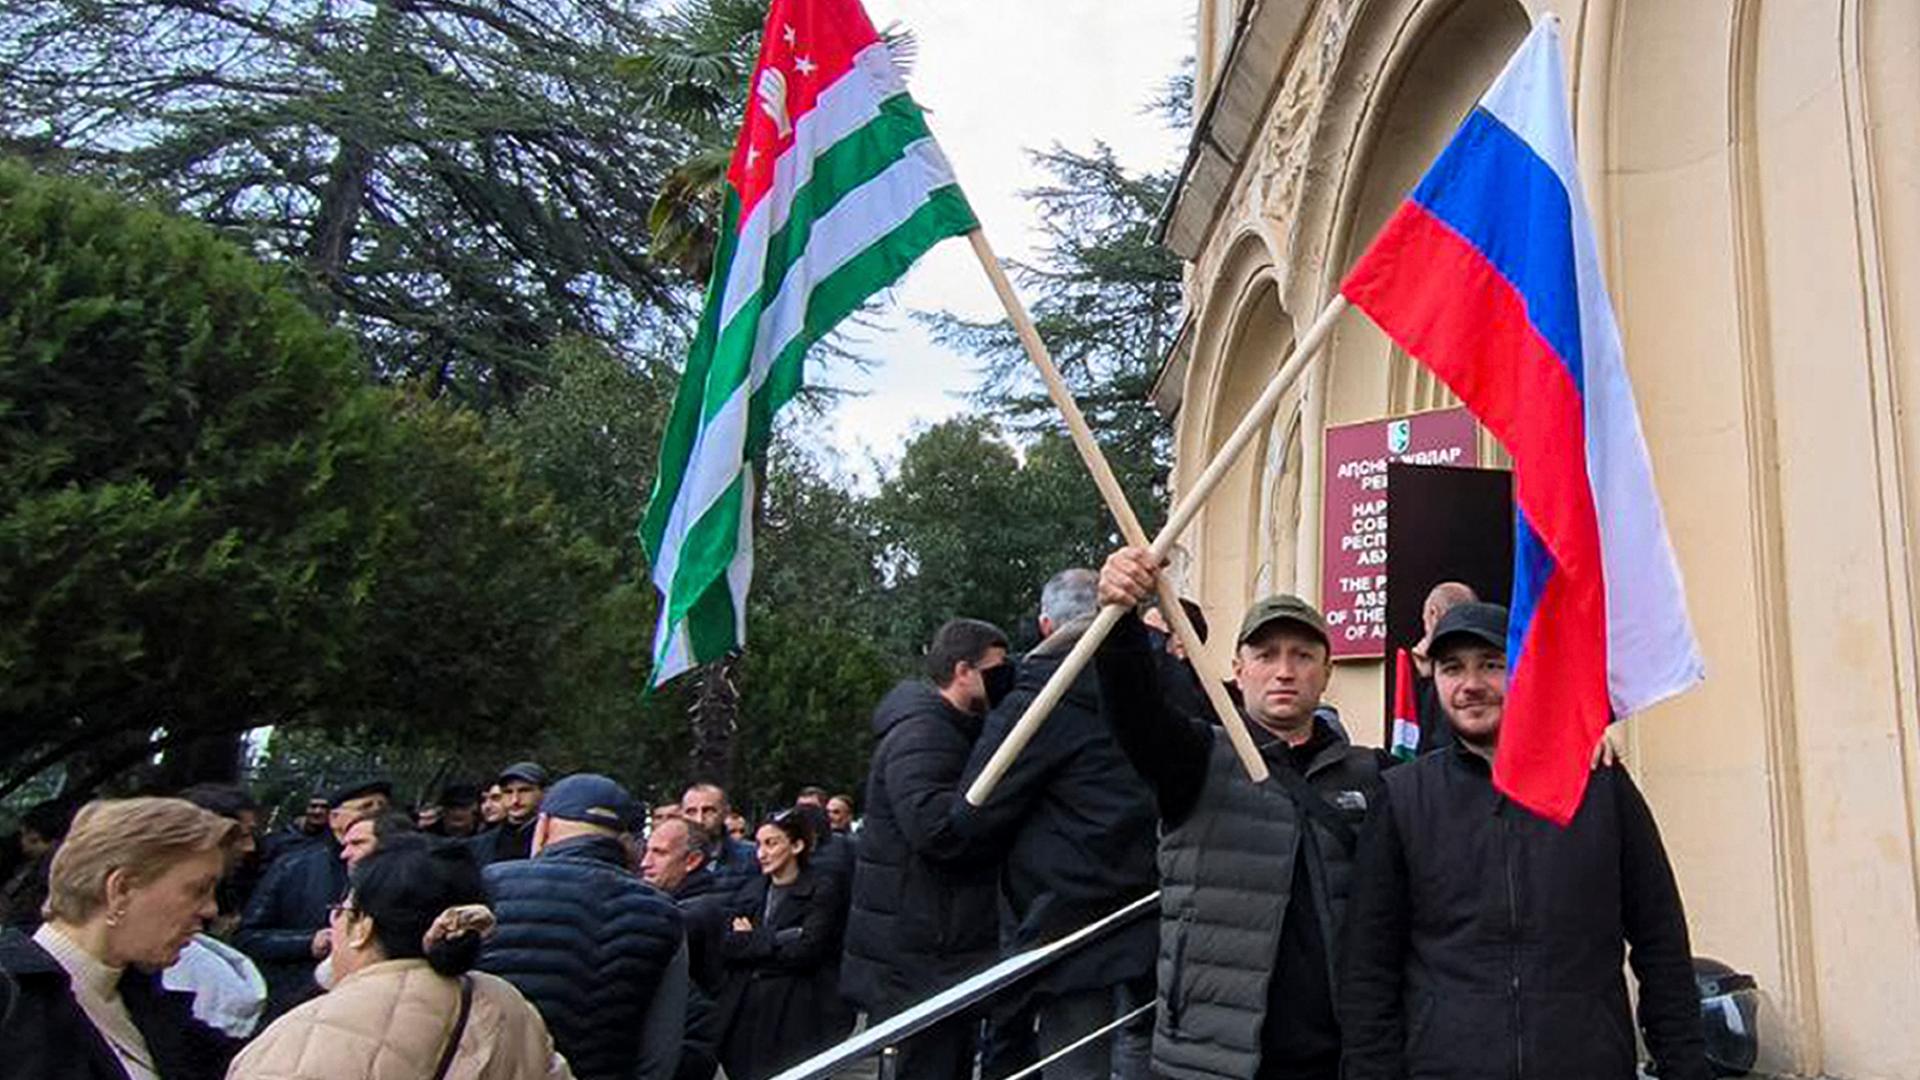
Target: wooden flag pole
[1256,418]
[1204,663]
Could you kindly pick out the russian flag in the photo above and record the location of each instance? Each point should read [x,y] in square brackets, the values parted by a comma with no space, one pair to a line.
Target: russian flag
[1489,275]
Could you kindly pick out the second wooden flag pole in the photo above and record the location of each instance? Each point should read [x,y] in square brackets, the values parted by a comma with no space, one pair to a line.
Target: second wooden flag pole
[1204,662]
[1183,514]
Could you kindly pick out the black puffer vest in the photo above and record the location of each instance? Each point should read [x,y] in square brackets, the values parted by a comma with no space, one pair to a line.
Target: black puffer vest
[1226,880]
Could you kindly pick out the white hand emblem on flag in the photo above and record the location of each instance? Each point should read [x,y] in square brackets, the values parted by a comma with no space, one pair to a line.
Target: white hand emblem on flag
[853,200]
[773,100]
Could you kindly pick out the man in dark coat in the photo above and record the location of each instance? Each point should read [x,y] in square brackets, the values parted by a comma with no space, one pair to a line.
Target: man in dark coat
[671,862]
[42,828]
[1487,941]
[1077,824]
[284,925]
[1254,877]
[598,951]
[522,786]
[459,811]
[731,863]
[309,828]
[46,1036]
[924,914]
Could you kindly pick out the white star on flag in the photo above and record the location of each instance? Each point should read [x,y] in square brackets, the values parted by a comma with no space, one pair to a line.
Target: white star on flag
[791,37]
[804,66]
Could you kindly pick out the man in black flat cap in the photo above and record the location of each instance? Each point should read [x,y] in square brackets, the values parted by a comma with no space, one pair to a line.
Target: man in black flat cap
[522,785]
[284,926]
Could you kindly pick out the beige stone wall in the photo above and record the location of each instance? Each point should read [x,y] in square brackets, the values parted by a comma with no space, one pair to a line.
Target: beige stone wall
[1755,174]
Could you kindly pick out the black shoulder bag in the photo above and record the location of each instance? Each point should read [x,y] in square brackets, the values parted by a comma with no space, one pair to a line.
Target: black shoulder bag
[459,1028]
[1315,805]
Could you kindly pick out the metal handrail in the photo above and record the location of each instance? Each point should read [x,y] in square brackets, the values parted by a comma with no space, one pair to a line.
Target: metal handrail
[1090,1037]
[963,995]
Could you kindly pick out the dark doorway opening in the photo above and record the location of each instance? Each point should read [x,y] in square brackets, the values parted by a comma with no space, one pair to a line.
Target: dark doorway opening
[1443,524]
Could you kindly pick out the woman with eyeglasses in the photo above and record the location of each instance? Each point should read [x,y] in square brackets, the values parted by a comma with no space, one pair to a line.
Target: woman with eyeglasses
[405,1003]
[782,951]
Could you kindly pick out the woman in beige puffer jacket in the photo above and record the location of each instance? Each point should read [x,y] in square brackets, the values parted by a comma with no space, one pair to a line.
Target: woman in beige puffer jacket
[402,944]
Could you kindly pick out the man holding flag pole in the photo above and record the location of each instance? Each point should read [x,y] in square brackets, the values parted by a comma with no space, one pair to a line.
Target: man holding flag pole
[1489,276]
[835,187]
[1497,890]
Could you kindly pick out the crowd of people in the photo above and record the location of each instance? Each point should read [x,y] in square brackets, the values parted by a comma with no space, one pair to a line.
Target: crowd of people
[1351,916]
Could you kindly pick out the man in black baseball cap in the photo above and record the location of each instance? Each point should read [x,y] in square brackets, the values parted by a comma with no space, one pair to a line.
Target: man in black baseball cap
[522,785]
[1470,640]
[598,951]
[1567,902]
[1250,988]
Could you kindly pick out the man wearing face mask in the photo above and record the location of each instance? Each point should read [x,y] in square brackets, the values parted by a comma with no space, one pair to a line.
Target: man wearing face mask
[1077,825]
[1179,685]
[924,914]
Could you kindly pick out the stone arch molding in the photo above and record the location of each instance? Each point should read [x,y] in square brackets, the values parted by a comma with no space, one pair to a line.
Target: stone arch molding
[1242,334]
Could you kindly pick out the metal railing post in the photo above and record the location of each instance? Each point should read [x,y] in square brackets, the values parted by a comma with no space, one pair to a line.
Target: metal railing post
[890,1063]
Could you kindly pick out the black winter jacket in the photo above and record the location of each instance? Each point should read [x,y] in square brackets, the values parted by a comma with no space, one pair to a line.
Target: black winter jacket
[924,914]
[704,907]
[590,945]
[1485,941]
[504,842]
[782,1000]
[47,1037]
[280,919]
[1076,823]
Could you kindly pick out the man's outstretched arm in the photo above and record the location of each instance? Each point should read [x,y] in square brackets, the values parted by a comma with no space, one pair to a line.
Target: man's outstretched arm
[1167,749]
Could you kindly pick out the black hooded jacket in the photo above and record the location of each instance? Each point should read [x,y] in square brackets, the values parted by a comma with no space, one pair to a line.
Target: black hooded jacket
[1077,824]
[923,913]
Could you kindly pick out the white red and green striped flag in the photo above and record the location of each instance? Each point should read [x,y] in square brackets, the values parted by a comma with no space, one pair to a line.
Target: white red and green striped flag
[1406,708]
[836,187]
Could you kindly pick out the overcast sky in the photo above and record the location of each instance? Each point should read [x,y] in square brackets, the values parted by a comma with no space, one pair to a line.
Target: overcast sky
[999,77]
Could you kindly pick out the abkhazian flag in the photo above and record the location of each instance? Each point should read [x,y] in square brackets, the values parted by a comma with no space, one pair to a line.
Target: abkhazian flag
[1489,275]
[835,188]
[1406,708]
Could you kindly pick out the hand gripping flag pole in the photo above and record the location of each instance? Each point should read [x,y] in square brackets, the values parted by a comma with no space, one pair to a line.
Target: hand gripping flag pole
[1183,514]
[1489,275]
[1204,662]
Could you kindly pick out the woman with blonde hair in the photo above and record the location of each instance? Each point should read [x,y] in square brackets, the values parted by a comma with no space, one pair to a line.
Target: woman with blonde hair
[132,884]
[405,1004]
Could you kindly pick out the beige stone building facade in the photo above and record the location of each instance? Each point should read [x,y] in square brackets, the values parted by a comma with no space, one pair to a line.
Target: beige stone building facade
[1754,173]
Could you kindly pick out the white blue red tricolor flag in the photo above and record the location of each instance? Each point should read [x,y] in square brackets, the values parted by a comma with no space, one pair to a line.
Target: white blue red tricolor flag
[1489,275]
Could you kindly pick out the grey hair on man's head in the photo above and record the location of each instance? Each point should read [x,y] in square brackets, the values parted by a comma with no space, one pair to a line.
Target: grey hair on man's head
[1069,595]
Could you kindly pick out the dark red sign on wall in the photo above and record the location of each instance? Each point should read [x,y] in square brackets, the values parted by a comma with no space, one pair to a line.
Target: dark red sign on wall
[1353,526]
